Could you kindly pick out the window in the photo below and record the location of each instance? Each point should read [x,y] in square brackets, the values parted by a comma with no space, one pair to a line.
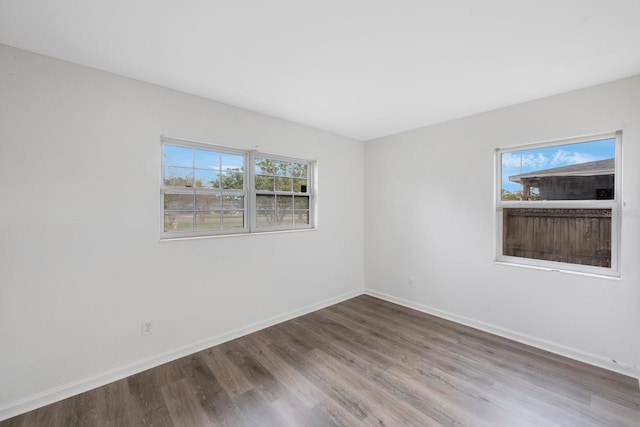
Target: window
[558,204]
[210,190]
[203,189]
[282,193]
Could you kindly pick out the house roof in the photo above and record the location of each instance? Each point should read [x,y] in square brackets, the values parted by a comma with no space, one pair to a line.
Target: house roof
[599,167]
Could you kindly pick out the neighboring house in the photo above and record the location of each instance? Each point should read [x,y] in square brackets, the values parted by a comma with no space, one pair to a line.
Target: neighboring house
[583,181]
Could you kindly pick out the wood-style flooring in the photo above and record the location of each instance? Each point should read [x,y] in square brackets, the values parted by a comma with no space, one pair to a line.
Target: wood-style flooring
[361,362]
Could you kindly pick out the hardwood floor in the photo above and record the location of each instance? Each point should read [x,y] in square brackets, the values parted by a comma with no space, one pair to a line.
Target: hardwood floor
[361,362]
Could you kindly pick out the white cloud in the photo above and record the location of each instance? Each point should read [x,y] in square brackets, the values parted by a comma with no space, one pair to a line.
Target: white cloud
[528,161]
[562,157]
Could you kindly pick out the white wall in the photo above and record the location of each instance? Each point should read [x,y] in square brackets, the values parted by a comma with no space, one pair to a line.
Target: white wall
[429,215]
[81,264]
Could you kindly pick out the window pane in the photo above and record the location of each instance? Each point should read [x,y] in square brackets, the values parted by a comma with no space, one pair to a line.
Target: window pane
[177,156]
[207,179]
[284,218]
[266,167]
[233,219]
[178,221]
[207,220]
[264,182]
[302,202]
[582,171]
[178,201]
[575,236]
[299,185]
[207,159]
[301,217]
[232,162]
[283,184]
[178,177]
[233,202]
[283,169]
[265,218]
[285,202]
[206,189]
[232,180]
[299,170]
[265,202]
[208,202]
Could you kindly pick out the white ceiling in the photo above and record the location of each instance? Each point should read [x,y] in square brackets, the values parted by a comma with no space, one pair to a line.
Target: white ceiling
[359,68]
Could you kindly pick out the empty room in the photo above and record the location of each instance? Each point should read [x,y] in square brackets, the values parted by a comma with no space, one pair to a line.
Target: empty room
[305,213]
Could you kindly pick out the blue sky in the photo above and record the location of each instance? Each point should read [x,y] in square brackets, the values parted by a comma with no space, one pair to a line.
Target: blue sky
[521,161]
[205,159]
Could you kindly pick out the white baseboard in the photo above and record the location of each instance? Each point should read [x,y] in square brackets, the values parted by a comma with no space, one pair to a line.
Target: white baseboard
[562,350]
[71,389]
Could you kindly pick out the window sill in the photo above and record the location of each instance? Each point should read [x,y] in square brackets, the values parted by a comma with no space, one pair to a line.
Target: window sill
[222,236]
[612,276]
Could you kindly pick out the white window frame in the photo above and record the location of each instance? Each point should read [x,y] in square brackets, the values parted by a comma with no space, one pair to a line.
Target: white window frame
[249,192]
[614,205]
[187,190]
[310,193]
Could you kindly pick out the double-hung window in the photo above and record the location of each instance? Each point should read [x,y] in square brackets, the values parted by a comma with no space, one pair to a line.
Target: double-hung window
[204,189]
[213,190]
[282,193]
[558,205]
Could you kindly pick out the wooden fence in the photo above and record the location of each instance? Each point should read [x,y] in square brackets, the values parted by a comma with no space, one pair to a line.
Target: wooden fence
[576,236]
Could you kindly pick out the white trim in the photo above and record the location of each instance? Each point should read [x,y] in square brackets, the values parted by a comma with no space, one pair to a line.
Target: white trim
[563,141]
[64,391]
[615,205]
[198,145]
[209,146]
[218,236]
[251,196]
[248,191]
[562,267]
[572,353]
[59,393]
[616,223]
[253,192]
[520,264]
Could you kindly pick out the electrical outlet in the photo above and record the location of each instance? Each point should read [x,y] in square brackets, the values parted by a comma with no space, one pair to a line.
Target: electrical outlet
[147,327]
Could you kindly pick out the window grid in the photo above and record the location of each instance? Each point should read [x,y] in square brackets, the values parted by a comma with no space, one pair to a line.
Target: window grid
[282,194]
[211,190]
[201,193]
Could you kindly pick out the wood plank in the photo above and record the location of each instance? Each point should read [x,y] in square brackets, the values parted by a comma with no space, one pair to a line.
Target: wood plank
[145,388]
[296,383]
[361,362]
[377,403]
[183,405]
[256,374]
[228,374]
